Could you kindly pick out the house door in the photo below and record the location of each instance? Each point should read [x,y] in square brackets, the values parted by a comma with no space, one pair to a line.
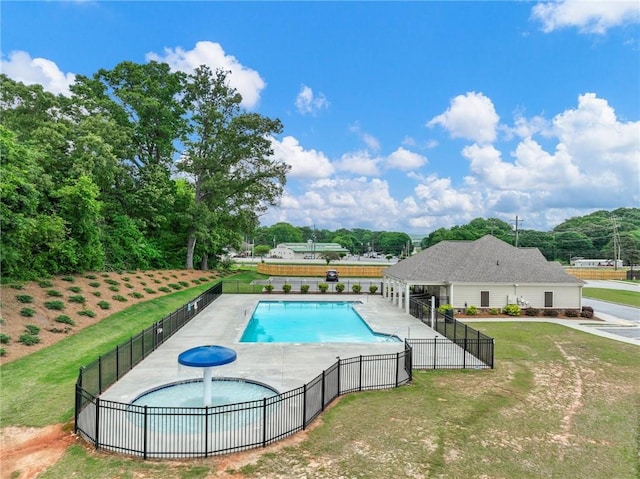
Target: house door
[548,299]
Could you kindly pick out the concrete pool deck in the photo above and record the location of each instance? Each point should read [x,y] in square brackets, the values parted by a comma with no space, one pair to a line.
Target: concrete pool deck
[282,366]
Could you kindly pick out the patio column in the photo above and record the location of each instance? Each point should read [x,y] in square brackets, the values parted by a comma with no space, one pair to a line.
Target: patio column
[406,298]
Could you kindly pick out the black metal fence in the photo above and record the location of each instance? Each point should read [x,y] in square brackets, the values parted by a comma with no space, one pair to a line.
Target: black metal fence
[108,368]
[193,432]
[297,285]
[474,343]
[203,431]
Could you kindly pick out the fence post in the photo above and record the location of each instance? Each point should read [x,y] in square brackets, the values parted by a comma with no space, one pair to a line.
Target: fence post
[397,368]
[264,422]
[99,374]
[464,353]
[435,353]
[322,393]
[130,353]
[206,431]
[117,362]
[360,375]
[144,431]
[339,382]
[96,440]
[304,407]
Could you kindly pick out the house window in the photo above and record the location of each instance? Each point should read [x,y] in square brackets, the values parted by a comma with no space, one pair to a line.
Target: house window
[484,299]
[548,299]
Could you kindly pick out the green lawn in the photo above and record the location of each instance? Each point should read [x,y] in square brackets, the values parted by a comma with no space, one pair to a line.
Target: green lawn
[630,298]
[560,403]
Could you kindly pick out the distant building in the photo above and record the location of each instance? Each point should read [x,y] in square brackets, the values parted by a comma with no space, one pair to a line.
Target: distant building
[308,250]
[596,263]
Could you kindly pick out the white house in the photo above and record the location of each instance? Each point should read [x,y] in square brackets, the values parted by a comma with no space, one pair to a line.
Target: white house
[486,273]
[308,250]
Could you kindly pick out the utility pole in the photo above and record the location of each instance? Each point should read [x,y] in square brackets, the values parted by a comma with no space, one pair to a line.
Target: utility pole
[517,220]
[616,243]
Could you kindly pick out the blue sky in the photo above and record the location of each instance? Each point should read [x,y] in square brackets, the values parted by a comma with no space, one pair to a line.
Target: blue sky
[397,116]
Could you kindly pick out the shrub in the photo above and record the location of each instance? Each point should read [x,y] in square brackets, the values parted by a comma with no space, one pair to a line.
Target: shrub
[17,286]
[104,304]
[204,279]
[268,288]
[286,288]
[54,292]
[70,279]
[494,311]
[184,283]
[472,310]
[195,281]
[551,313]
[90,276]
[157,281]
[323,287]
[356,288]
[125,278]
[75,289]
[445,308]
[136,294]
[587,312]
[87,312]
[78,298]
[340,287]
[59,330]
[128,285]
[3,352]
[304,289]
[112,282]
[143,283]
[56,305]
[119,297]
[149,291]
[114,288]
[94,284]
[24,298]
[32,329]
[64,319]
[97,294]
[27,312]
[164,289]
[571,313]
[512,310]
[372,288]
[532,312]
[29,339]
[105,275]
[5,338]
[175,286]
[45,283]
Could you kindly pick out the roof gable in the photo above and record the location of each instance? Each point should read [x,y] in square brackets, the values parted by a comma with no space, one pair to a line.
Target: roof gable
[485,260]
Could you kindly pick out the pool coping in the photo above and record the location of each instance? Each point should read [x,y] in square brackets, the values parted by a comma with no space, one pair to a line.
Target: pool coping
[282,366]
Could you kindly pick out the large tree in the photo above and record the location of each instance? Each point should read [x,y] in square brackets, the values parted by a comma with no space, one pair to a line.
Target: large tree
[228,156]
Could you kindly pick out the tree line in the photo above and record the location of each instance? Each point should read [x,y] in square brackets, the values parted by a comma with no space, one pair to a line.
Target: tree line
[603,234]
[140,167]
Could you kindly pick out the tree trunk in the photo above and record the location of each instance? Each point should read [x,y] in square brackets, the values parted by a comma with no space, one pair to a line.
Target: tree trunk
[191,246]
[204,264]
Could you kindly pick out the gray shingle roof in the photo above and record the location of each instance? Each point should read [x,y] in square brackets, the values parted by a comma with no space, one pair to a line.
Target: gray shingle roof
[485,260]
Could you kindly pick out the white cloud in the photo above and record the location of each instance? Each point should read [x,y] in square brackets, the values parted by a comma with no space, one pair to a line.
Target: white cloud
[369,140]
[359,163]
[588,16]
[247,81]
[304,163]
[309,103]
[471,116]
[30,71]
[405,160]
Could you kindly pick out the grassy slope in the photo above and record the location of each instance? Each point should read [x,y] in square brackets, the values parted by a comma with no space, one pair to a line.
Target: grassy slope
[560,403]
[38,389]
[629,298]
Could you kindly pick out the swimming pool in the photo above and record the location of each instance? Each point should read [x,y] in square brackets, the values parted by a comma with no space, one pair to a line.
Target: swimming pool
[309,322]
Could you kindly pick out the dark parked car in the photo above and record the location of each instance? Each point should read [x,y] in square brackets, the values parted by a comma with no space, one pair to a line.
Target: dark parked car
[332,275]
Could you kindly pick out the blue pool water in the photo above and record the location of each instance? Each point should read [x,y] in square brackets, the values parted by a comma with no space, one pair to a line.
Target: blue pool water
[308,322]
